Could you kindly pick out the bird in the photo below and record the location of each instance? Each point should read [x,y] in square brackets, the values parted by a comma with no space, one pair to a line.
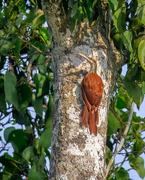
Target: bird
[92,90]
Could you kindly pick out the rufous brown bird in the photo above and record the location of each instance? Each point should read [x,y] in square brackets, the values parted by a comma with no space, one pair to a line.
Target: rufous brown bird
[92,89]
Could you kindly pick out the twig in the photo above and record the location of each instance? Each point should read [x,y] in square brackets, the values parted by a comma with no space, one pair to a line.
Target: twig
[30,44]
[27,56]
[31,84]
[123,138]
[29,70]
[118,167]
[87,58]
[116,115]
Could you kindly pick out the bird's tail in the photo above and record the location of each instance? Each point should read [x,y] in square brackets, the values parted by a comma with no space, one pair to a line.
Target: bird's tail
[90,118]
[85,116]
[92,122]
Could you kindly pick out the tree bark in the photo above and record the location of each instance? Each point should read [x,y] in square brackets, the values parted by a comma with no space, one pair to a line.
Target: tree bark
[75,154]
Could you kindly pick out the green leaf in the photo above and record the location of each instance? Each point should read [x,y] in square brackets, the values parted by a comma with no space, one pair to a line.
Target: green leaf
[42,162]
[42,85]
[74,9]
[10,82]
[30,17]
[42,64]
[137,164]
[29,153]
[143,87]
[108,155]
[19,20]
[141,53]
[38,45]
[22,118]
[5,47]
[141,11]
[134,90]
[119,19]
[135,128]
[122,174]
[137,41]
[88,10]
[45,34]
[36,145]
[17,42]
[127,40]
[136,24]
[25,96]
[132,70]
[113,124]
[36,173]
[70,3]
[6,177]
[136,118]
[29,130]
[50,76]
[2,103]
[40,20]
[7,132]
[73,23]
[48,115]
[8,161]
[123,101]
[45,139]
[2,61]
[37,103]
[138,146]
[5,44]
[18,139]
[118,40]
[113,4]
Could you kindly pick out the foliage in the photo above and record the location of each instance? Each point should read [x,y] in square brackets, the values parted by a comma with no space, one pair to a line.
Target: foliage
[26,91]
[128,32]
[134,142]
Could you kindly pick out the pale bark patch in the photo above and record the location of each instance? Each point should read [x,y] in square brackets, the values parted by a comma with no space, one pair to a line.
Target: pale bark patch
[72,113]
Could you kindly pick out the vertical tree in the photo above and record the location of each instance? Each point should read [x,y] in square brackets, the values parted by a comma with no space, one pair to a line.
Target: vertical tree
[109,32]
[85,27]
[76,153]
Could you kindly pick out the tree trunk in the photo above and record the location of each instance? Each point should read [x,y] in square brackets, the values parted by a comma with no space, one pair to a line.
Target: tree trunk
[75,154]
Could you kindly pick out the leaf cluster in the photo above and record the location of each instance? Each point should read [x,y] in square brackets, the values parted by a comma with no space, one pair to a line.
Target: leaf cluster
[78,10]
[26,91]
[128,35]
[134,145]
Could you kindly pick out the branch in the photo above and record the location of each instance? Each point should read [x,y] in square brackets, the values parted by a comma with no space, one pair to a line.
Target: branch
[123,138]
[29,70]
[118,167]
[117,116]
[27,56]
[30,44]
[87,58]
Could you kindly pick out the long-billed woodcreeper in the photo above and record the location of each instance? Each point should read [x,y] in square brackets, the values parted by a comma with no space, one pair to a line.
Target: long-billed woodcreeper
[92,89]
